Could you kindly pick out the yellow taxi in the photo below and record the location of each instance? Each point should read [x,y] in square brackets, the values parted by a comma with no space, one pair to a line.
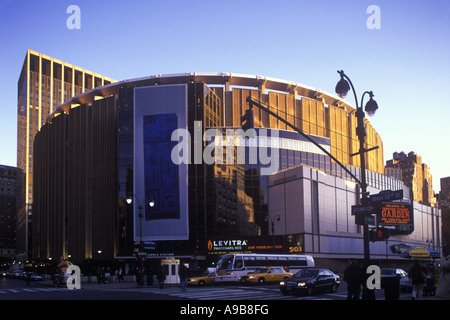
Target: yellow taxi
[202,280]
[267,274]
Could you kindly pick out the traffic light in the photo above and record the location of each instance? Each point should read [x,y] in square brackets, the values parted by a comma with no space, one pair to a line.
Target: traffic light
[247,120]
[379,234]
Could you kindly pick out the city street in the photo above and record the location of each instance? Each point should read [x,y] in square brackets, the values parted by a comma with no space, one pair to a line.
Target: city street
[14,289]
[224,302]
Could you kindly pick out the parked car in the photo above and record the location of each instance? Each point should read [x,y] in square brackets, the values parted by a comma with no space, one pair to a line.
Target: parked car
[202,280]
[268,274]
[311,281]
[35,277]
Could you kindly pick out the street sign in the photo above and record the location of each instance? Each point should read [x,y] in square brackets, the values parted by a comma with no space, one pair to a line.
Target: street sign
[363,219]
[386,196]
[361,209]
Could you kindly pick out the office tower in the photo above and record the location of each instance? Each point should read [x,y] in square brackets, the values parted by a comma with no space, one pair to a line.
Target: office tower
[415,174]
[10,201]
[43,85]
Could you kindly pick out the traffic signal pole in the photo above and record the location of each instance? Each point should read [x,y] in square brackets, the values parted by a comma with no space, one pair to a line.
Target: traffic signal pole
[361,133]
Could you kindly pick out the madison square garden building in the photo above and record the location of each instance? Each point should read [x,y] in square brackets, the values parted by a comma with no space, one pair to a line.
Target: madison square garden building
[199,189]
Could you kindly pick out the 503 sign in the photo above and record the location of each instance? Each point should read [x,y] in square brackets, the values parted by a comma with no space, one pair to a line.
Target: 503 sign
[296,249]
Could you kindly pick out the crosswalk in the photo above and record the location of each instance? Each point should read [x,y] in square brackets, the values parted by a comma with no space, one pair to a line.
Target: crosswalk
[237,293]
[29,289]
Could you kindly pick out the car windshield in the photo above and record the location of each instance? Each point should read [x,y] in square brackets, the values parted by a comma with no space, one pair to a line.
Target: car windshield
[388,272]
[261,270]
[306,273]
[226,263]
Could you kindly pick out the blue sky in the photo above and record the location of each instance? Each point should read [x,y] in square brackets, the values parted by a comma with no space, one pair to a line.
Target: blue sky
[405,62]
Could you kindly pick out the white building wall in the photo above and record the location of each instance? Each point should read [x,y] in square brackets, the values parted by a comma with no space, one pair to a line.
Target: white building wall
[337,235]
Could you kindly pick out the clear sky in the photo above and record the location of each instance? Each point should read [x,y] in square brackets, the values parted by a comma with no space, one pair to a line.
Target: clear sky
[406,62]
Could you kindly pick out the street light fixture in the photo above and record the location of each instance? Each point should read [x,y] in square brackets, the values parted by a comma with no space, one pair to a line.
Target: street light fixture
[342,87]
[129,200]
[371,105]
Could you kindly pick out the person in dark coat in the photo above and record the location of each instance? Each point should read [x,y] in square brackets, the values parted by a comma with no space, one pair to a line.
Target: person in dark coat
[354,277]
[139,278]
[183,273]
[417,275]
[161,276]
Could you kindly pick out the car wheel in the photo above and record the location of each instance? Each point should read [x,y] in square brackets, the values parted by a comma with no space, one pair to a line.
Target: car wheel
[334,287]
[261,280]
[201,283]
[310,291]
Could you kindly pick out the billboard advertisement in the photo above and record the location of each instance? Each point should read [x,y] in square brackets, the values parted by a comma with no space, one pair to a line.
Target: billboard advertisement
[397,217]
[160,185]
[161,178]
[293,243]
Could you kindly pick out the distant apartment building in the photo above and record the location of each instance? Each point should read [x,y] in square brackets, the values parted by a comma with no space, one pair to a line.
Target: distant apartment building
[444,205]
[43,85]
[415,174]
[10,200]
[444,194]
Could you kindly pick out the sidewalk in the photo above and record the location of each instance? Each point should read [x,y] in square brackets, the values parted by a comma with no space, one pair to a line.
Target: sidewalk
[408,297]
[93,284]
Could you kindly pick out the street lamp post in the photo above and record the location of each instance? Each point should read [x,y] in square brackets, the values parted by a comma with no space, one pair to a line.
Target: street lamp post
[342,88]
[272,221]
[151,203]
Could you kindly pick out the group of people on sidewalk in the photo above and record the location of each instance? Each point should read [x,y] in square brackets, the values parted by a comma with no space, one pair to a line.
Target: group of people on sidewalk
[104,275]
[356,278]
[160,276]
[183,274]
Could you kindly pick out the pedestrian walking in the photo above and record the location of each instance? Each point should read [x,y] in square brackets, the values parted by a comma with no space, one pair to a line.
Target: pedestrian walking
[139,278]
[99,275]
[107,278]
[417,275]
[150,274]
[120,275]
[354,277]
[161,277]
[183,274]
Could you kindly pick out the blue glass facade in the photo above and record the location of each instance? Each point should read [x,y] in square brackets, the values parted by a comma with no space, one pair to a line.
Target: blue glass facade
[160,173]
